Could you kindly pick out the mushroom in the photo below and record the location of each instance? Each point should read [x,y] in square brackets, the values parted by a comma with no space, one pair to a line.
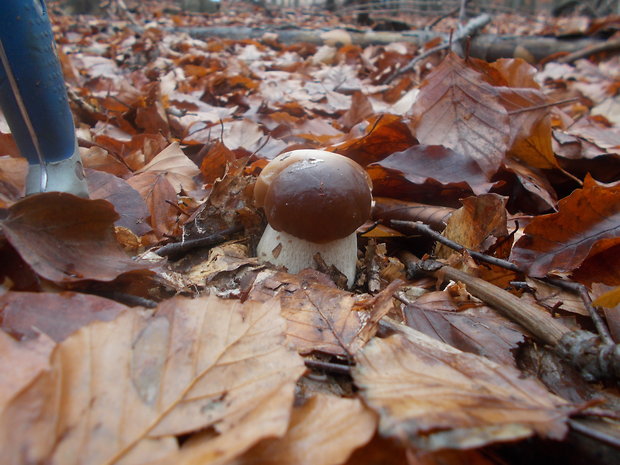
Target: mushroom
[314,201]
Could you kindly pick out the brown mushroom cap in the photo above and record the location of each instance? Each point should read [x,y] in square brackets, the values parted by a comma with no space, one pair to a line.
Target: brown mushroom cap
[314,195]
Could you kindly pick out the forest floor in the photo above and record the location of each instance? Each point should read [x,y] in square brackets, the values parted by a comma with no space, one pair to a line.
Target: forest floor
[482,328]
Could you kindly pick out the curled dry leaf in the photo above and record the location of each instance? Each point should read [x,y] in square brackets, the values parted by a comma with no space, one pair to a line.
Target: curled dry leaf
[436,397]
[375,138]
[458,109]
[119,391]
[66,238]
[587,223]
[477,225]
[323,431]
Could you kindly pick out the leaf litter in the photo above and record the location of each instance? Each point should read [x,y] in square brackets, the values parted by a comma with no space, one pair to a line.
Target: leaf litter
[112,354]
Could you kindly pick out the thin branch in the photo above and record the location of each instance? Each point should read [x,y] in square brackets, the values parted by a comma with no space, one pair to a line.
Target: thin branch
[578,288]
[328,367]
[178,248]
[472,26]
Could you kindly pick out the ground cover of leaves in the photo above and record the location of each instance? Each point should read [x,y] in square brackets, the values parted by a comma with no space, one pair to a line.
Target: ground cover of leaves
[137,327]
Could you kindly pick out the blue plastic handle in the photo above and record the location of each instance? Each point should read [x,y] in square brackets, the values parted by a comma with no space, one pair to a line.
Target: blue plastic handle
[32,90]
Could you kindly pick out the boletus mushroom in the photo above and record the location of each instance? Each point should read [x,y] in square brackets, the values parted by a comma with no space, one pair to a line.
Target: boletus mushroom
[314,201]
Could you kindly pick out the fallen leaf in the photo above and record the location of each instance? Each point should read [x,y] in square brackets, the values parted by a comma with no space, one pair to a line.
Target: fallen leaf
[323,431]
[13,172]
[430,174]
[587,223]
[319,317]
[160,198]
[57,315]
[176,166]
[478,331]
[434,397]
[66,238]
[126,200]
[375,138]
[608,299]
[478,225]
[458,109]
[119,391]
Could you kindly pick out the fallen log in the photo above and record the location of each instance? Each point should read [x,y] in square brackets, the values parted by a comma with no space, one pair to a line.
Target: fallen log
[485,46]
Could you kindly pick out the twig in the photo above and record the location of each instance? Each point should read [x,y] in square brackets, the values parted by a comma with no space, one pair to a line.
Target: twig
[608,46]
[427,231]
[473,25]
[581,349]
[594,434]
[178,248]
[328,367]
[579,289]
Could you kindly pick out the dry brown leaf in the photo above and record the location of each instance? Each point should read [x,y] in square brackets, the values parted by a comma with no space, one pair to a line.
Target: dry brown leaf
[160,198]
[117,391]
[24,367]
[457,109]
[55,314]
[13,173]
[477,330]
[126,200]
[477,225]
[319,317]
[20,364]
[66,238]
[435,397]
[587,223]
[179,169]
[323,431]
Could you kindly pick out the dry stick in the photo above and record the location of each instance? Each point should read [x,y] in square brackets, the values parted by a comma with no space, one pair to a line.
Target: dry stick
[182,247]
[329,367]
[608,46]
[473,25]
[581,349]
[601,328]
[538,323]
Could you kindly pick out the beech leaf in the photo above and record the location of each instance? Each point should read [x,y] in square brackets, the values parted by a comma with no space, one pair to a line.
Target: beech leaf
[458,109]
[587,223]
[67,238]
[179,169]
[436,397]
[117,392]
[323,431]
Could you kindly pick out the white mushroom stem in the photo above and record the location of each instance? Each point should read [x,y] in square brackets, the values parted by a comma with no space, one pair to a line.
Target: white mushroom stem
[282,249]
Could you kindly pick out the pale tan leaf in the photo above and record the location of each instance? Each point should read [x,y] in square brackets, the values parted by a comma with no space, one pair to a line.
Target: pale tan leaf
[436,397]
[268,419]
[23,364]
[323,431]
[320,317]
[179,169]
[116,388]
